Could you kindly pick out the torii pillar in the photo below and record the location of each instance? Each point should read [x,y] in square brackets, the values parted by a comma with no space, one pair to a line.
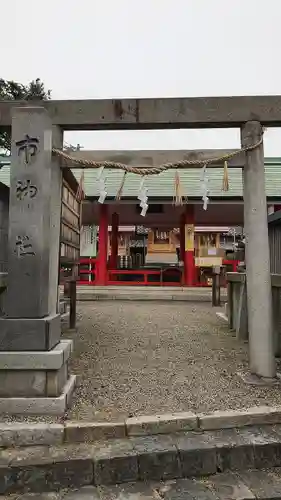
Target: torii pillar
[259,294]
[33,359]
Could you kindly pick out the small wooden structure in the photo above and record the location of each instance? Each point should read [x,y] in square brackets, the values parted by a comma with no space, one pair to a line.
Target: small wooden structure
[70,226]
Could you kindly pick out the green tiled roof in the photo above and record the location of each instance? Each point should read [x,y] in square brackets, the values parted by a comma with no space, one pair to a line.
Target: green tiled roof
[162,185]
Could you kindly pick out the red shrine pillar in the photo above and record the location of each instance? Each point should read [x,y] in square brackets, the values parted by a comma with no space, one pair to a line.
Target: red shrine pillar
[101,277]
[182,236]
[114,240]
[189,261]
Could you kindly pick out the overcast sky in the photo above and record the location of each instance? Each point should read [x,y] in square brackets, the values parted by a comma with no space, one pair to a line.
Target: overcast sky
[148,48]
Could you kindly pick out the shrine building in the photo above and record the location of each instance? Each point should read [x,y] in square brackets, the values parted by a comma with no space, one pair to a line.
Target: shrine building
[177,242]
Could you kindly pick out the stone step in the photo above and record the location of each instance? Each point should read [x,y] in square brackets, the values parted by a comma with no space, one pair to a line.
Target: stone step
[248,485]
[149,458]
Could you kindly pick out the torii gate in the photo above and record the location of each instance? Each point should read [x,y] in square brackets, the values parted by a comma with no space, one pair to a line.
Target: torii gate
[32,322]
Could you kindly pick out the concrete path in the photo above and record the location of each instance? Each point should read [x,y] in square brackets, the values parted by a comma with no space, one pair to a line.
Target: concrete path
[136,358]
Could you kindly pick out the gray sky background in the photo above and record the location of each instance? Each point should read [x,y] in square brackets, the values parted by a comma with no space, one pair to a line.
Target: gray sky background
[149,48]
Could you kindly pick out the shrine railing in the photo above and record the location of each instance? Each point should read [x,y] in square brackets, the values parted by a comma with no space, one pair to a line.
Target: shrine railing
[172,276]
[87,271]
[161,277]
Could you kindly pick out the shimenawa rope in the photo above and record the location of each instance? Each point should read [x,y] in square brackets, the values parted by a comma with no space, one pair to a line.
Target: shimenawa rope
[153,170]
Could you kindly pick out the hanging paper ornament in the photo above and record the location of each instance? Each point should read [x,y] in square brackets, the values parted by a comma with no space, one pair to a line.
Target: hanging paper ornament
[205,190]
[120,190]
[178,195]
[144,210]
[143,197]
[205,202]
[102,191]
[143,203]
[225,180]
[99,174]
[101,184]
[141,188]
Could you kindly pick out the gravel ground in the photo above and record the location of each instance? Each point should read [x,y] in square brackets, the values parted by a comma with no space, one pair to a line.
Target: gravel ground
[145,358]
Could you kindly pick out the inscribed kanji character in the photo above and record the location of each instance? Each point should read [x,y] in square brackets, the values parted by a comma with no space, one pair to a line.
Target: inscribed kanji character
[28,146]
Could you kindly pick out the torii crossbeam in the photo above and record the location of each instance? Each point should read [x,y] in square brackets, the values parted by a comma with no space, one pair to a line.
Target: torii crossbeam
[158,113]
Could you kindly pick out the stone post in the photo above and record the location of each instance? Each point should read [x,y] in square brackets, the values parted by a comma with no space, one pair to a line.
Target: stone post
[31,326]
[259,296]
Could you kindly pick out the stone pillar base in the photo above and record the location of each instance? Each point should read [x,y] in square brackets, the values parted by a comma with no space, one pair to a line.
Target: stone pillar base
[38,334]
[36,382]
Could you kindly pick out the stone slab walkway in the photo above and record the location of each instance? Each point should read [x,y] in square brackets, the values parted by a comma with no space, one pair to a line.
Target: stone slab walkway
[136,358]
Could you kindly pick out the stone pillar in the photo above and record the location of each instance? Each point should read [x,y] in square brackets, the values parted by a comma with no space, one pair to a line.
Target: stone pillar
[35,196]
[114,240]
[31,326]
[259,296]
[103,246]
[4,225]
[189,262]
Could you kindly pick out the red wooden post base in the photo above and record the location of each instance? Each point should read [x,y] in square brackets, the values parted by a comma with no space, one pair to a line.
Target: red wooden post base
[189,261]
[114,241]
[101,266]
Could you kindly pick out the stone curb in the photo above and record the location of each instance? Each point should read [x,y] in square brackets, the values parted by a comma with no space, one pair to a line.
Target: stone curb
[145,298]
[150,458]
[231,485]
[25,434]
